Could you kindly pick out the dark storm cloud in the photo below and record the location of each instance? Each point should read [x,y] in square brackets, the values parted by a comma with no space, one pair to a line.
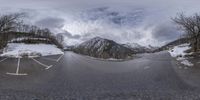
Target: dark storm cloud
[166,31]
[51,22]
[69,35]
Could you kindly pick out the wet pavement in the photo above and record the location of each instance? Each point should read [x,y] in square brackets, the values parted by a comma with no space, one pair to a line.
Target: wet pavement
[75,77]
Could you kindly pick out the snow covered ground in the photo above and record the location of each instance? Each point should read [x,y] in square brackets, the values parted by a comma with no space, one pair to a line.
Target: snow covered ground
[179,50]
[30,50]
[179,53]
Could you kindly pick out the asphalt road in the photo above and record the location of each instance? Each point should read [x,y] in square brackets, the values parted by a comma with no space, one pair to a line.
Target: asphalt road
[75,77]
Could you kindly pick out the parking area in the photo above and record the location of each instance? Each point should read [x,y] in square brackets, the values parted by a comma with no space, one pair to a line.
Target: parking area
[27,66]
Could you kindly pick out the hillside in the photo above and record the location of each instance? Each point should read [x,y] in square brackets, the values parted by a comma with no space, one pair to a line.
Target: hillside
[172,44]
[103,48]
[140,49]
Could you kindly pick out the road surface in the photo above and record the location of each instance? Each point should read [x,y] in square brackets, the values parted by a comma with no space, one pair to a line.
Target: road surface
[75,77]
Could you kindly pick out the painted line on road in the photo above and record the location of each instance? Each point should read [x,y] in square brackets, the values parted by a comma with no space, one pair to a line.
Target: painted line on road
[3,59]
[17,71]
[56,60]
[60,57]
[16,74]
[46,66]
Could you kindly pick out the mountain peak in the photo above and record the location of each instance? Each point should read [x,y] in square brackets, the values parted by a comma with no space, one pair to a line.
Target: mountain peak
[103,48]
[133,45]
[97,38]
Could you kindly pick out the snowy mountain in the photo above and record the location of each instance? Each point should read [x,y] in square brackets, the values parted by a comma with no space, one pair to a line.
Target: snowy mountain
[103,48]
[135,47]
[140,49]
[132,45]
[152,48]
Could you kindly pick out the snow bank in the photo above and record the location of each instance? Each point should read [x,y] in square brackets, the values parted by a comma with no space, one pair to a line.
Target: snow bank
[30,50]
[179,53]
[179,50]
[187,63]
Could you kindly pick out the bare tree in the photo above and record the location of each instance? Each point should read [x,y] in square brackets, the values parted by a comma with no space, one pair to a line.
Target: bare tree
[46,32]
[10,22]
[12,26]
[60,38]
[191,25]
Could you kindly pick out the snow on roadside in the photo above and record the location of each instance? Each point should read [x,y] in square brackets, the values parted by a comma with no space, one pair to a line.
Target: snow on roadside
[187,63]
[179,50]
[31,50]
[179,53]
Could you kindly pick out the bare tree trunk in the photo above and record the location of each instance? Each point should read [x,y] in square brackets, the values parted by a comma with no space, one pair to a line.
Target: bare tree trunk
[195,44]
[198,44]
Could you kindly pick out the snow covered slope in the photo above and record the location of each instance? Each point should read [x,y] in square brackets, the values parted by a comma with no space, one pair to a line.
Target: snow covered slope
[140,49]
[30,50]
[152,48]
[133,45]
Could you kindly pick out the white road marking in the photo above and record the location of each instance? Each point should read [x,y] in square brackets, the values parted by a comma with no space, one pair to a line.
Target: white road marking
[56,60]
[17,71]
[60,58]
[47,66]
[3,59]
[17,74]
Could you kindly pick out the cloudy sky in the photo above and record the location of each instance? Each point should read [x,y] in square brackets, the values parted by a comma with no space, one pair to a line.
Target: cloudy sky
[141,21]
